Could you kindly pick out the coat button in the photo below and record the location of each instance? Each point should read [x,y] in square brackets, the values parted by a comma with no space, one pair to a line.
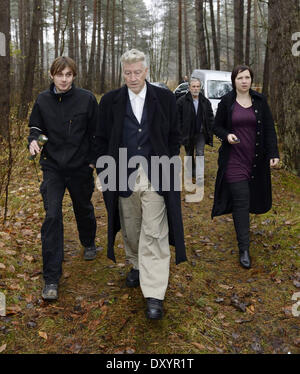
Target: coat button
[139,148]
[140,130]
[254,166]
[259,121]
[257,144]
[252,177]
[256,111]
[258,133]
[256,155]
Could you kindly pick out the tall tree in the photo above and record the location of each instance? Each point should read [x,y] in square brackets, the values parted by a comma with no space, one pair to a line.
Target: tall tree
[98,54]
[4,67]
[179,41]
[201,35]
[285,95]
[103,68]
[90,76]
[113,61]
[83,43]
[188,62]
[214,36]
[248,31]
[71,46]
[26,94]
[238,31]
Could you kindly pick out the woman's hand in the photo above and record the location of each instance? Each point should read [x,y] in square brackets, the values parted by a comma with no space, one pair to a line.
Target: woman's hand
[34,148]
[274,162]
[232,139]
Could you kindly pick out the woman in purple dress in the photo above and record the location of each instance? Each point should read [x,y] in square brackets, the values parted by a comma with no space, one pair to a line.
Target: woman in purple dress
[245,126]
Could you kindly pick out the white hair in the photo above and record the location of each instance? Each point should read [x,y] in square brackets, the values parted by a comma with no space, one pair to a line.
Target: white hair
[132,56]
[196,80]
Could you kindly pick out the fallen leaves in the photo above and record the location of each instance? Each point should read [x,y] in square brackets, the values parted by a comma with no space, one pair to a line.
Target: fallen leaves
[199,346]
[3,348]
[43,335]
[2,266]
[13,309]
[225,287]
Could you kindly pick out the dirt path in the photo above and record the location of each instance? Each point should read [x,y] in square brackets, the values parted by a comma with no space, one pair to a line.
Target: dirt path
[212,304]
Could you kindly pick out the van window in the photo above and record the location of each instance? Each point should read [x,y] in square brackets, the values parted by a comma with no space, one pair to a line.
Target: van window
[217,89]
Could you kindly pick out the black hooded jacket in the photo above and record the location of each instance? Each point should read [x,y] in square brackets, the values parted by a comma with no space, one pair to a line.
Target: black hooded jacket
[69,121]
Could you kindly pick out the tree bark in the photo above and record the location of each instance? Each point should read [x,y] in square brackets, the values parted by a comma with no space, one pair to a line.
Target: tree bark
[83,44]
[214,36]
[4,67]
[90,77]
[103,68]
[238,31]
[26,95]
[179,41]
[98,56]
[201,35]
[71,46]
[113,62]
[286,68]
[248,34]
[188,62]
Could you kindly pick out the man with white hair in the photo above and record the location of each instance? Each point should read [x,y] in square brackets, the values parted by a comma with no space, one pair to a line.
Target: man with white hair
[196,119]
[142,119]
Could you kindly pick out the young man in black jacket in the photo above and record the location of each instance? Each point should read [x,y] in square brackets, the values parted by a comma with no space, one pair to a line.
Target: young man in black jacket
[196,120]
[67,116]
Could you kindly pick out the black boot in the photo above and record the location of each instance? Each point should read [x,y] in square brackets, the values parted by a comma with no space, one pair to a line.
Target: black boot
[240,214]
[245,259]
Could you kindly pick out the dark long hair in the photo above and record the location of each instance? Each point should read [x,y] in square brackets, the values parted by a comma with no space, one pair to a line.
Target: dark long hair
[239,69]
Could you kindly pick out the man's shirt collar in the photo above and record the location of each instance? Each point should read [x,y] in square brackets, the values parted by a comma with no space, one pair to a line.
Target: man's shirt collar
[141,94]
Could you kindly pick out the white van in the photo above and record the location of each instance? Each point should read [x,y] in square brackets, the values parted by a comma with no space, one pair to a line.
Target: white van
[214,84]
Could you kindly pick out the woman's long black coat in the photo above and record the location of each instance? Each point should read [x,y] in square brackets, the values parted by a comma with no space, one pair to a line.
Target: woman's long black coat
[165,139]
[265,149]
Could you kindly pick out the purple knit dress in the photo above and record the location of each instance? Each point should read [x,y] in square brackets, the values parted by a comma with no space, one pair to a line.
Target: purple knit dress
[242,154]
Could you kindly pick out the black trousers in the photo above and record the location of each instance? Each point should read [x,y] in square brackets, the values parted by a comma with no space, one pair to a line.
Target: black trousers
[198,143]
[80,185]
[240,194]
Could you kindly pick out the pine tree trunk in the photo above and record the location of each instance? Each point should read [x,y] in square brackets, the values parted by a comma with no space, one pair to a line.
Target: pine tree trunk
[227,37]
[103,68]
[71,47]
[179,41]
[201,35]
[113,62]
[214,36]
[188,62]
[238,31]
[248,31]
[91,75]
[4,67]
[26,95]
[285,99]
[83,44]
[98,56]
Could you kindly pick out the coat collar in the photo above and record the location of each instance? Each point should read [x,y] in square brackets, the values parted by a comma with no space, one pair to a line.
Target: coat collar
[120,103]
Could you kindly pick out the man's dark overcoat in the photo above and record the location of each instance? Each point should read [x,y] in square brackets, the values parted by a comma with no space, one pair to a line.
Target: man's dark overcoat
[188,118]
[265,149]
[165,141]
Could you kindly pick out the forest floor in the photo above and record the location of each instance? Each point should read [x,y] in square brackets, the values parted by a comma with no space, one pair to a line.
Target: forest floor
[212,305]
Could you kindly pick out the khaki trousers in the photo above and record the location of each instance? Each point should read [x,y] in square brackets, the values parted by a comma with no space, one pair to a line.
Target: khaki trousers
[145,231]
